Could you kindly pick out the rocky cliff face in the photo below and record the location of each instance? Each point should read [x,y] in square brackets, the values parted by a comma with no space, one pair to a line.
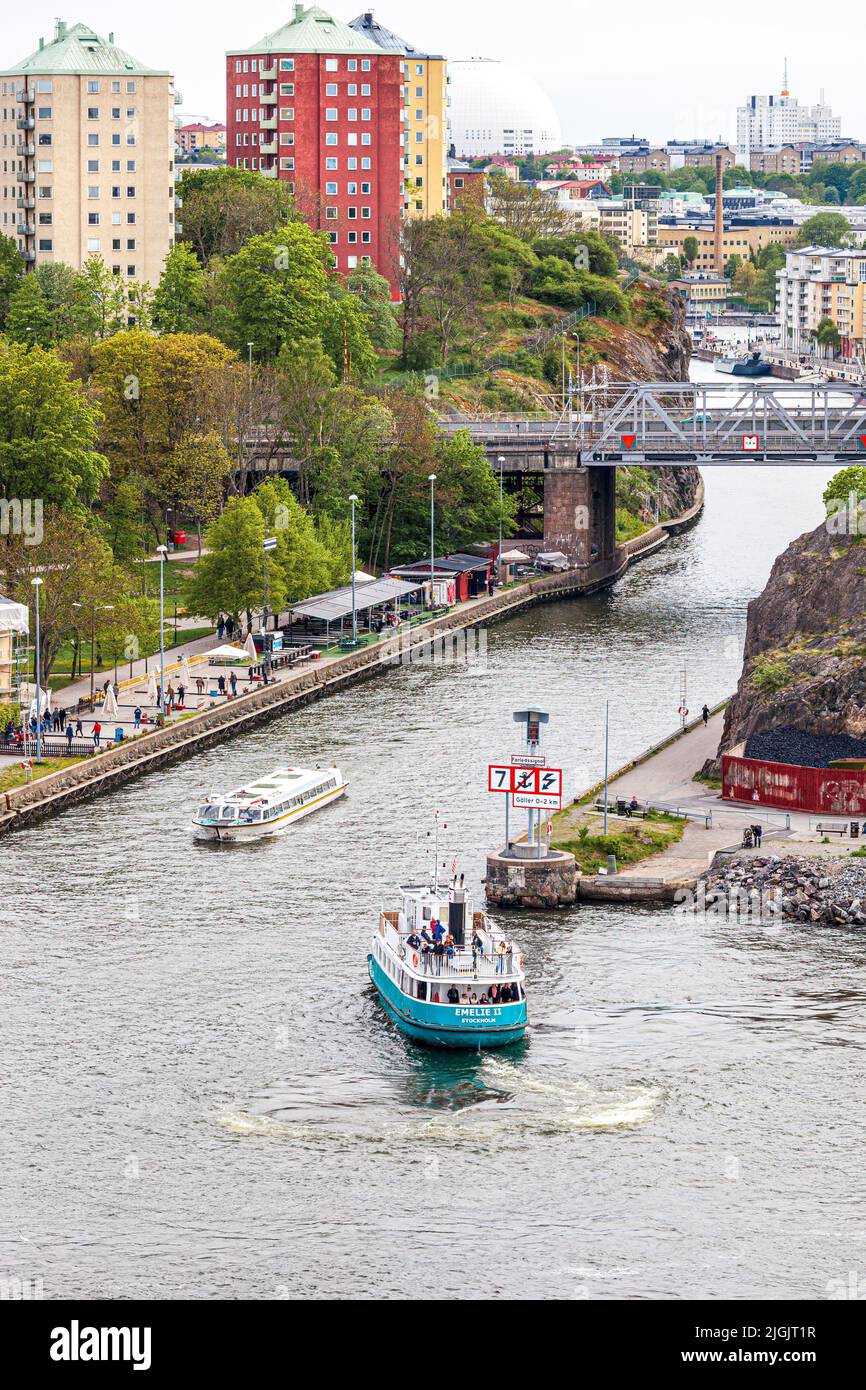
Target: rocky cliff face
[805,653]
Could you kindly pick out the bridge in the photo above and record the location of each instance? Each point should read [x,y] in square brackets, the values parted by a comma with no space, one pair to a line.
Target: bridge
[562,470]
[740,422]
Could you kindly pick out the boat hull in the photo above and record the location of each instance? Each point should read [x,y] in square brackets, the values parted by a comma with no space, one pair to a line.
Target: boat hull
[449,1025]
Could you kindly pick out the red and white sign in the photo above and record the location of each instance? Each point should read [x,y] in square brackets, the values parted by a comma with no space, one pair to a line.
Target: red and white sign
[628,440]
[751,443]
[528,760]
[526,781]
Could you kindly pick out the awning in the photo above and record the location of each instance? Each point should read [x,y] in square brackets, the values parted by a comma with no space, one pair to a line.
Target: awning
[337,603]
[13,616]
[227,654]
[554,560]
[513,557]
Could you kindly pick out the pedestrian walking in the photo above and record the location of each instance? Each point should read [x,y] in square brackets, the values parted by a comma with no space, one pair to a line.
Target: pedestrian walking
[170,697]
[181,692]
[137,716]
[233,682]
[221,627]
[221,685]
[69,738]
[79,729]
[97,731]
[705,715]
[230,628]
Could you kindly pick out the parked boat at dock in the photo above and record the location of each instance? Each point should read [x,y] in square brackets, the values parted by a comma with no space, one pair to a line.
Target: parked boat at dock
[267,807]
[750,364]
[444,974]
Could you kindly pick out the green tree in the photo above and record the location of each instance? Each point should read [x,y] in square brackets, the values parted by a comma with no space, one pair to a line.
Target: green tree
[230,577]
[104,298]
[825,229]
[11,271]
[48,430]
[691,249]
[224,208]
[827,335]
[303,559]
[374,294]
[844,499]
[275,289]
[194,476]
[29,319]
[180,299]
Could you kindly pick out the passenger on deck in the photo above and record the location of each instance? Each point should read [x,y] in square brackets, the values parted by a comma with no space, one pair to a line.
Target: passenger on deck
[438,931]
[501,951]
[413,941]
[453,995]
[505,994]
[464,998]
[477,943]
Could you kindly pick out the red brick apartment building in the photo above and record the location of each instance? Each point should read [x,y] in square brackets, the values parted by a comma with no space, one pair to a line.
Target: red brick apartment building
[320,106]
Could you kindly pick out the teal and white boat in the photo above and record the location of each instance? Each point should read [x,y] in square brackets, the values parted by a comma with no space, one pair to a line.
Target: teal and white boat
[444,974]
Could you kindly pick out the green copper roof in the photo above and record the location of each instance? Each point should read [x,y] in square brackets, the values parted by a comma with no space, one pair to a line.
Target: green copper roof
[311,31]
[81,50]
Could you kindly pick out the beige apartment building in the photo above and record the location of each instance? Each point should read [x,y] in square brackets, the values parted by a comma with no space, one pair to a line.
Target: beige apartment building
[87,147]
[736,240]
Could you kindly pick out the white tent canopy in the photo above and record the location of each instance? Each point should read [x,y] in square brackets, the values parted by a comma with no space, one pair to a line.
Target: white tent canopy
[152,689]
[250,647]
[513,557]
[222,654]
[109,705]
[13,616]
[28,699]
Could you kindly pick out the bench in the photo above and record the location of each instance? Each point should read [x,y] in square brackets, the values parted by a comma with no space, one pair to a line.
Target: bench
[830,828]
[613,810]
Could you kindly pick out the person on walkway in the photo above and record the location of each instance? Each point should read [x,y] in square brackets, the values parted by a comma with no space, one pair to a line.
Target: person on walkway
[170,697]
[181,692]
[221,685]
[199,685]
[757,832]
[705,715]
[633,805]
[221,627]
[69,737]
[97,731]
[230,628]
[137,716]
[79,728]
[233,682]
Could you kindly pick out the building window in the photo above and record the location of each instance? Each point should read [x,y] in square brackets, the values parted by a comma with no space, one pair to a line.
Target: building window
[333,238]
[365,237]
[93,87]
[353,65]
[93,113]
[330,137]
[93,140]
[287,89]
[44,113]
[93,190]
[330,113]
[331,89]
[93,166]
[365,113]
[331,65]
[130,270]
[332,162]
[365,89]
[287,113]
[331,214]
[47,245]
[353,213]
[365,64]
[93,243]
[93,219]
[287,65]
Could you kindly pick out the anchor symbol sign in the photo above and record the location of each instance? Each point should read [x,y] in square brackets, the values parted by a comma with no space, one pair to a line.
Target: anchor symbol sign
[751,443]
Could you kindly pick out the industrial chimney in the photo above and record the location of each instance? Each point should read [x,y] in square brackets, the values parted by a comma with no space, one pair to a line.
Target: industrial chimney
[718,253]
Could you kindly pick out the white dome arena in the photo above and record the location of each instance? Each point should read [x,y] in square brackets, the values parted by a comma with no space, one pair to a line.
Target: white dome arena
[494,109]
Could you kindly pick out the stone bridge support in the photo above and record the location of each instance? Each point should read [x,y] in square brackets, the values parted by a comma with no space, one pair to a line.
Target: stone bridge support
[580,512]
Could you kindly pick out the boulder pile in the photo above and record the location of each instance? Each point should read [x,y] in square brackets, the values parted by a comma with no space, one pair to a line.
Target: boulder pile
[826,892]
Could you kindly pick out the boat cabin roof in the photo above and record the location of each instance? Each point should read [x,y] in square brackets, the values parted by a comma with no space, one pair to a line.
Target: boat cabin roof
[274,787]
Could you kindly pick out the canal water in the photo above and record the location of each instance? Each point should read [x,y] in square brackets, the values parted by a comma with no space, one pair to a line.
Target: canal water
[202,1099]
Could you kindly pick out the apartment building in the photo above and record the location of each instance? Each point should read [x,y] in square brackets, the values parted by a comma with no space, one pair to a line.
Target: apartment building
[87,135]
[779,119]
[775,159]
[822,283]
[642,161]
[425,119]
[704,156]
[320,106]
[739,238]
[196,135]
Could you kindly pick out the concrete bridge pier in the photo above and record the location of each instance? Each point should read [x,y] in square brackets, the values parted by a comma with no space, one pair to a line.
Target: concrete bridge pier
[580,513]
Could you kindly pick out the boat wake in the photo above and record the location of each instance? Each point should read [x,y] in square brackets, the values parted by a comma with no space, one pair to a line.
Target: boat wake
[510,1102]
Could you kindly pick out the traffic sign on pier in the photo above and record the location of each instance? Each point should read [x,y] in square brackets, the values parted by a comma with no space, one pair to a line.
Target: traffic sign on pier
[543,782]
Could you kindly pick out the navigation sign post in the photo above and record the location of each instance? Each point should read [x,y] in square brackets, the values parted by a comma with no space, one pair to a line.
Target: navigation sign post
[751,443]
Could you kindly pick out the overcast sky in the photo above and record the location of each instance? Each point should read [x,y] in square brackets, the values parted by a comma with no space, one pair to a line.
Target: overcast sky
[663,72]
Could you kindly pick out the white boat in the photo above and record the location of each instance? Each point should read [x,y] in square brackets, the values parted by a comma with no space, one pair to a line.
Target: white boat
[268,806]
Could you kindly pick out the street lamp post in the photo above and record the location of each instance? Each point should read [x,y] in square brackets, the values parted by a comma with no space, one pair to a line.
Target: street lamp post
[353,499]
[432,479]
[161,551]
[501,462]
[37,583]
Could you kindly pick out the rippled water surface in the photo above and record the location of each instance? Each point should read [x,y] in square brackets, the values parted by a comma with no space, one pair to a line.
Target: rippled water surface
[202,1099]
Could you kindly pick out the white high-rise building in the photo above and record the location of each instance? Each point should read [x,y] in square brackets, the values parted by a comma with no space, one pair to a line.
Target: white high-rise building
[781,120]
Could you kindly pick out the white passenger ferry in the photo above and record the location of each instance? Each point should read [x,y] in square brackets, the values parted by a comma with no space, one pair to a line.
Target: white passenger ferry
[269,806]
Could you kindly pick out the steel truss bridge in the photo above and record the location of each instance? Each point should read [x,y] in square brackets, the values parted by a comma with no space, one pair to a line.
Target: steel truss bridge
[738,422]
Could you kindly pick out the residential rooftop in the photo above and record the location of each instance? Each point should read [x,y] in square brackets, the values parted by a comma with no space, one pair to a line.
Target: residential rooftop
[78,51]
[311,30]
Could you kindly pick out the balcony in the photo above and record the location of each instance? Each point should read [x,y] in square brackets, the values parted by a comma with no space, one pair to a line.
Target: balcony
[28,203]
[26,123]
[269,173]
[26,151]
[267,147]
[29,254]
[28,96]
[268,74]
[268,123]
[268,99]
[28,176]
[26,228]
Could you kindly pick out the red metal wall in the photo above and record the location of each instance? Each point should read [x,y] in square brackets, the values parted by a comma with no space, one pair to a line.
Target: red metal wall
[821,790]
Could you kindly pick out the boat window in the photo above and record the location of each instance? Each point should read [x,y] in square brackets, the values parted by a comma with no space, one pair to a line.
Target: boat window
[204,812]
[422,989]
[228,813]
[255,815]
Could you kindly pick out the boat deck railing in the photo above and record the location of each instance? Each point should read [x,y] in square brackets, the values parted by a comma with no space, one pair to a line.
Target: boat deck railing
[476,965]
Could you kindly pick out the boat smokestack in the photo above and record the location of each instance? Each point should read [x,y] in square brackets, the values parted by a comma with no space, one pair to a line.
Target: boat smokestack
[718,253]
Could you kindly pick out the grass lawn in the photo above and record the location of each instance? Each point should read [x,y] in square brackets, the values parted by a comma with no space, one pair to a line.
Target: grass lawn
[60,671]
[630,843]
[13,775]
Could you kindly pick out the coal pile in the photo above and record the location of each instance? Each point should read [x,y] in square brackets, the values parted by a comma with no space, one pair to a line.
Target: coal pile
[803,749]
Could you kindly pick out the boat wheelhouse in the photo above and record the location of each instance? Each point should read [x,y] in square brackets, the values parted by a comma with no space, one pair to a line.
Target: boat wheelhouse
[268,806]
[445,974]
